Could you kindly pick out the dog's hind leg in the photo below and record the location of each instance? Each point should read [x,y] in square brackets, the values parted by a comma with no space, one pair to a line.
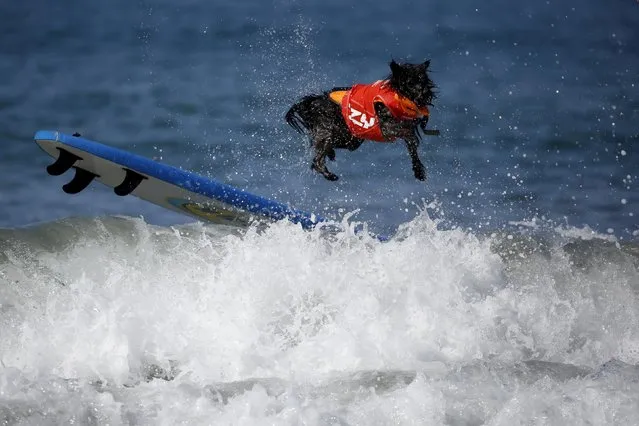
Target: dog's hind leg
[412,142]
[322,150]
[330,153]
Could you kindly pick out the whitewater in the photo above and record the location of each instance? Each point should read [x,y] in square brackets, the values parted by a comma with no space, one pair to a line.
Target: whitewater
[112,320]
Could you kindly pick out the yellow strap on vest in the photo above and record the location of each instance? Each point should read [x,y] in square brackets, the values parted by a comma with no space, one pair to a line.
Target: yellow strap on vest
[337,96]
[409,106]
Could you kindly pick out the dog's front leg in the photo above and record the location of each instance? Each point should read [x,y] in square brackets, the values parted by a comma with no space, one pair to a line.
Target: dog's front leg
[322,149]
[418,168]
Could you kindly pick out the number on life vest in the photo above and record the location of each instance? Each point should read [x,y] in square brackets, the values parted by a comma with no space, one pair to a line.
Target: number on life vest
[360,119]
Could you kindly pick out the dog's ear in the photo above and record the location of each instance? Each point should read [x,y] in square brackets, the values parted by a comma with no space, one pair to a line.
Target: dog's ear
[426,64]
[395,67]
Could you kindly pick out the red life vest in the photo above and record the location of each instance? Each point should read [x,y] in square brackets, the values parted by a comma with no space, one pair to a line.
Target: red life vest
[359,111]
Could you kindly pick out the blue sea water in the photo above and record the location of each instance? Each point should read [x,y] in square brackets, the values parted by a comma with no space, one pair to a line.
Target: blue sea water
[537,104]
[510,285]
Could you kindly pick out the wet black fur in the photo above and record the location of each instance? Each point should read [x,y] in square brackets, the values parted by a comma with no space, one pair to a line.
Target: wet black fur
[321,118]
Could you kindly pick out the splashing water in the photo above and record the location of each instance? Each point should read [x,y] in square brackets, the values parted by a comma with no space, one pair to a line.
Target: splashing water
[116,321]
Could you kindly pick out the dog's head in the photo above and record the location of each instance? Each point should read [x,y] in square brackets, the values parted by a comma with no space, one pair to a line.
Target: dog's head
[412,81]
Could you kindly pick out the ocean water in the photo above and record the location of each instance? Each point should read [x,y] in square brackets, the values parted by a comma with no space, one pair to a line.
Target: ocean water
[507,294]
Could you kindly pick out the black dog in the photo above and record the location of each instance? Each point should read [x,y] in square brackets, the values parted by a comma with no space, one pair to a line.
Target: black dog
[384,111]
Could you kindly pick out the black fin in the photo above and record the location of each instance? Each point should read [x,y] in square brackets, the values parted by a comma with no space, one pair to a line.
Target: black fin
[131,181]
[81,180]
[64,162]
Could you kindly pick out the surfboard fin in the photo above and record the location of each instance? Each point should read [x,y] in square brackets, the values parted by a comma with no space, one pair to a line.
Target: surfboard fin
[131,181]
[81,180]
[64,162]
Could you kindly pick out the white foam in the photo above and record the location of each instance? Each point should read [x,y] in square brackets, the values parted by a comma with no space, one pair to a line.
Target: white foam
[304,308]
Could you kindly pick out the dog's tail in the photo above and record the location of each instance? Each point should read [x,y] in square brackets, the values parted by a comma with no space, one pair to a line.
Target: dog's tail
[303,114]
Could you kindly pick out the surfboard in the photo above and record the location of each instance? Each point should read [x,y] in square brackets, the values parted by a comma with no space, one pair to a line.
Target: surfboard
[166,186]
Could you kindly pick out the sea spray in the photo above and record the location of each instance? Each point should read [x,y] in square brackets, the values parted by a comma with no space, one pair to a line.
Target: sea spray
[122,321]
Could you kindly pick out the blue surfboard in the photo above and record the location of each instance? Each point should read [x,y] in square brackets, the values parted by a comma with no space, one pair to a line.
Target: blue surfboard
[166,186]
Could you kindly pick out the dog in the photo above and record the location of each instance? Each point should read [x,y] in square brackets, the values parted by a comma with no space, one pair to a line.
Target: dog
[384,111]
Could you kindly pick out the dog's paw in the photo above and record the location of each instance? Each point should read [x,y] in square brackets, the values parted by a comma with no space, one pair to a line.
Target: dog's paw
[331,176]
[324,172]
[420,172]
